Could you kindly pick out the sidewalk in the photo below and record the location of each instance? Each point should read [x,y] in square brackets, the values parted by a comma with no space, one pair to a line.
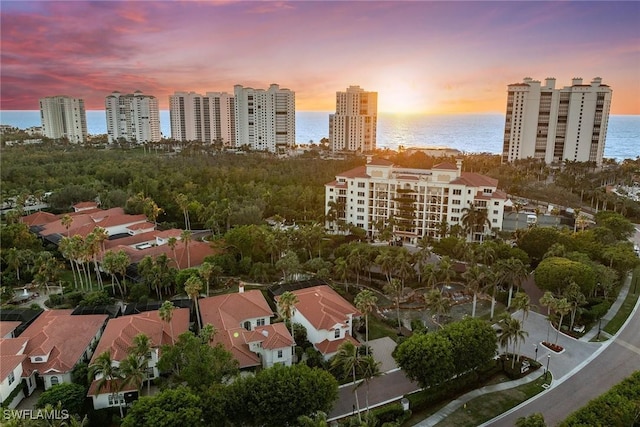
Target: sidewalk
[462,400]
[624,290]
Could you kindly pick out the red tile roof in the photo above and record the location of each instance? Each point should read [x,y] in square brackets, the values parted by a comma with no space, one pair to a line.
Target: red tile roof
[63,336]
[380,162]
[93,388]
[9,363]
[359,172]
[445,166]
[174,232]
[85,205]
[227,314]
[329,347]
[473,179]
[142,226]
[38,218]
[7,327]
[323,307]
[119,334]
[198,251]
[12,346]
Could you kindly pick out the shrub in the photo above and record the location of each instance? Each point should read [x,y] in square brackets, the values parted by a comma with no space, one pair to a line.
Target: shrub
[388,413]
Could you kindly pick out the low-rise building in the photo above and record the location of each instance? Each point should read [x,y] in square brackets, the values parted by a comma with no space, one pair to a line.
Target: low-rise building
[413,202]
[118,338]
[243,322]
[327,316]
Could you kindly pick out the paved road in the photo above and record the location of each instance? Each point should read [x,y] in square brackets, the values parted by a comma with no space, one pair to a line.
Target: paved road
[388,387]
[614,362]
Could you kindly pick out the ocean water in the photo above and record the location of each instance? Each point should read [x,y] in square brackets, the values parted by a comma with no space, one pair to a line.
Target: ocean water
[471,133]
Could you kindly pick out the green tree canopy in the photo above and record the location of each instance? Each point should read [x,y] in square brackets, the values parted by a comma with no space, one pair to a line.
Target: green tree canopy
[427,358]
[277,396]
[555,273]
[192,360]
[71,396]
[171,407]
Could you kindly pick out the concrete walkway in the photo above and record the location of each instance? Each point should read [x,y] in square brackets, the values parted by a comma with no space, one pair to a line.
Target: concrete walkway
[577,353]
[462,400]
[613,310]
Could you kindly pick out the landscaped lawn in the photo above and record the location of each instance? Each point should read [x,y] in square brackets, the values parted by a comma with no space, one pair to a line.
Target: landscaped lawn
[627,306]
[488,406]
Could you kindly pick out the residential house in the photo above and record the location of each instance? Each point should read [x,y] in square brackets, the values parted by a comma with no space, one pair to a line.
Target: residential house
[327,316]
[118,338]
[11,358]
[55,343]
[243,322]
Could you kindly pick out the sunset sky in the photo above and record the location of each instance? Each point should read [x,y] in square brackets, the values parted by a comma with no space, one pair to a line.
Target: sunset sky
[420,56]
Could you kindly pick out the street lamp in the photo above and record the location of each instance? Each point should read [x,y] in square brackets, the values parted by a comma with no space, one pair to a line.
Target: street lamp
[536,346]
[547,370]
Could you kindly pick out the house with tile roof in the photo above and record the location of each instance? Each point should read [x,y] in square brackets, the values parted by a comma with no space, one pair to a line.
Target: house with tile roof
[118,338]
[419,200]
[55,343]
[243,322]
[11,358]
[327,316]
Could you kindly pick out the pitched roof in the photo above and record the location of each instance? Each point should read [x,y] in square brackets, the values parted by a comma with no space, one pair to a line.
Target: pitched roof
[473,179]
[8,327]
[63,336]
[359,172]
[12,346]
[119,334]
[85,205]
[329,347]
[38,218]
[8,364]
[198,251]
[109,385]
[323,307]
[380,162]
[445,166]
[227,313]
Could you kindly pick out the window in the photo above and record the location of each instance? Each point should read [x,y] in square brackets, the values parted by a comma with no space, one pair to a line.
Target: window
[361,202]
[454,219]
[455,210]
[279,354]
[360,193]
[361,185]
[496,203]
[455,202]
[12,378]
[361,210]
[54,380]
[457,192]
[495,212]
[336,333]
[495,221]
[260,322]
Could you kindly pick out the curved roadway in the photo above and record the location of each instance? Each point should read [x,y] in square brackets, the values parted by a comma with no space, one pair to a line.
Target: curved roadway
[614,361]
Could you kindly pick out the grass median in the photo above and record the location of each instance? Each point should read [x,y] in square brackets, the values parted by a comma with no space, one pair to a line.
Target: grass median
[629,303]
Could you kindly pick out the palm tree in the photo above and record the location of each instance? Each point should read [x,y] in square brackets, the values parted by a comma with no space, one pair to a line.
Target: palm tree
[185,236]
[445,270]
[133,372]
[142,350]
[172,242]
[394,288]
[576,298]
[165,312]
[438,303]
[562,307]
[474,220]
[109,374]
[369,368]
[365,302]
[66,222]
[474,277]
[193,287]
[317,419]
[346,362]
[512,332]
[183,203]
[429,275]
[386,261]
[287,307]
[512,271]
[341,269]
[521,301]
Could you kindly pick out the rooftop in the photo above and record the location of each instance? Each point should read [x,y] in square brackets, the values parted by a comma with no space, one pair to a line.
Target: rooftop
[323,307]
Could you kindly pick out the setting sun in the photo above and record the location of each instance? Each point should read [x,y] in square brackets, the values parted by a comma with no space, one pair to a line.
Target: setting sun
[400,93]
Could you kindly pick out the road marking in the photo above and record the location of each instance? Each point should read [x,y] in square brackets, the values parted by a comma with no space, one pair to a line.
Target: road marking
[628,346]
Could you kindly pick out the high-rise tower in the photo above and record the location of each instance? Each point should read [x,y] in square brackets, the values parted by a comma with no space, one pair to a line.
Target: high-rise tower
[63,117]
[556,124]
[354,124]
[133,117]
[209,118]
[265,119]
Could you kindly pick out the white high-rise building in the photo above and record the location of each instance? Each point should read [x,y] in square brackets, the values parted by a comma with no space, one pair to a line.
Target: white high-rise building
[63,117]
[133,117]
[265,119]
[543,122]
[207,118]
[353,126]
[412,203]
